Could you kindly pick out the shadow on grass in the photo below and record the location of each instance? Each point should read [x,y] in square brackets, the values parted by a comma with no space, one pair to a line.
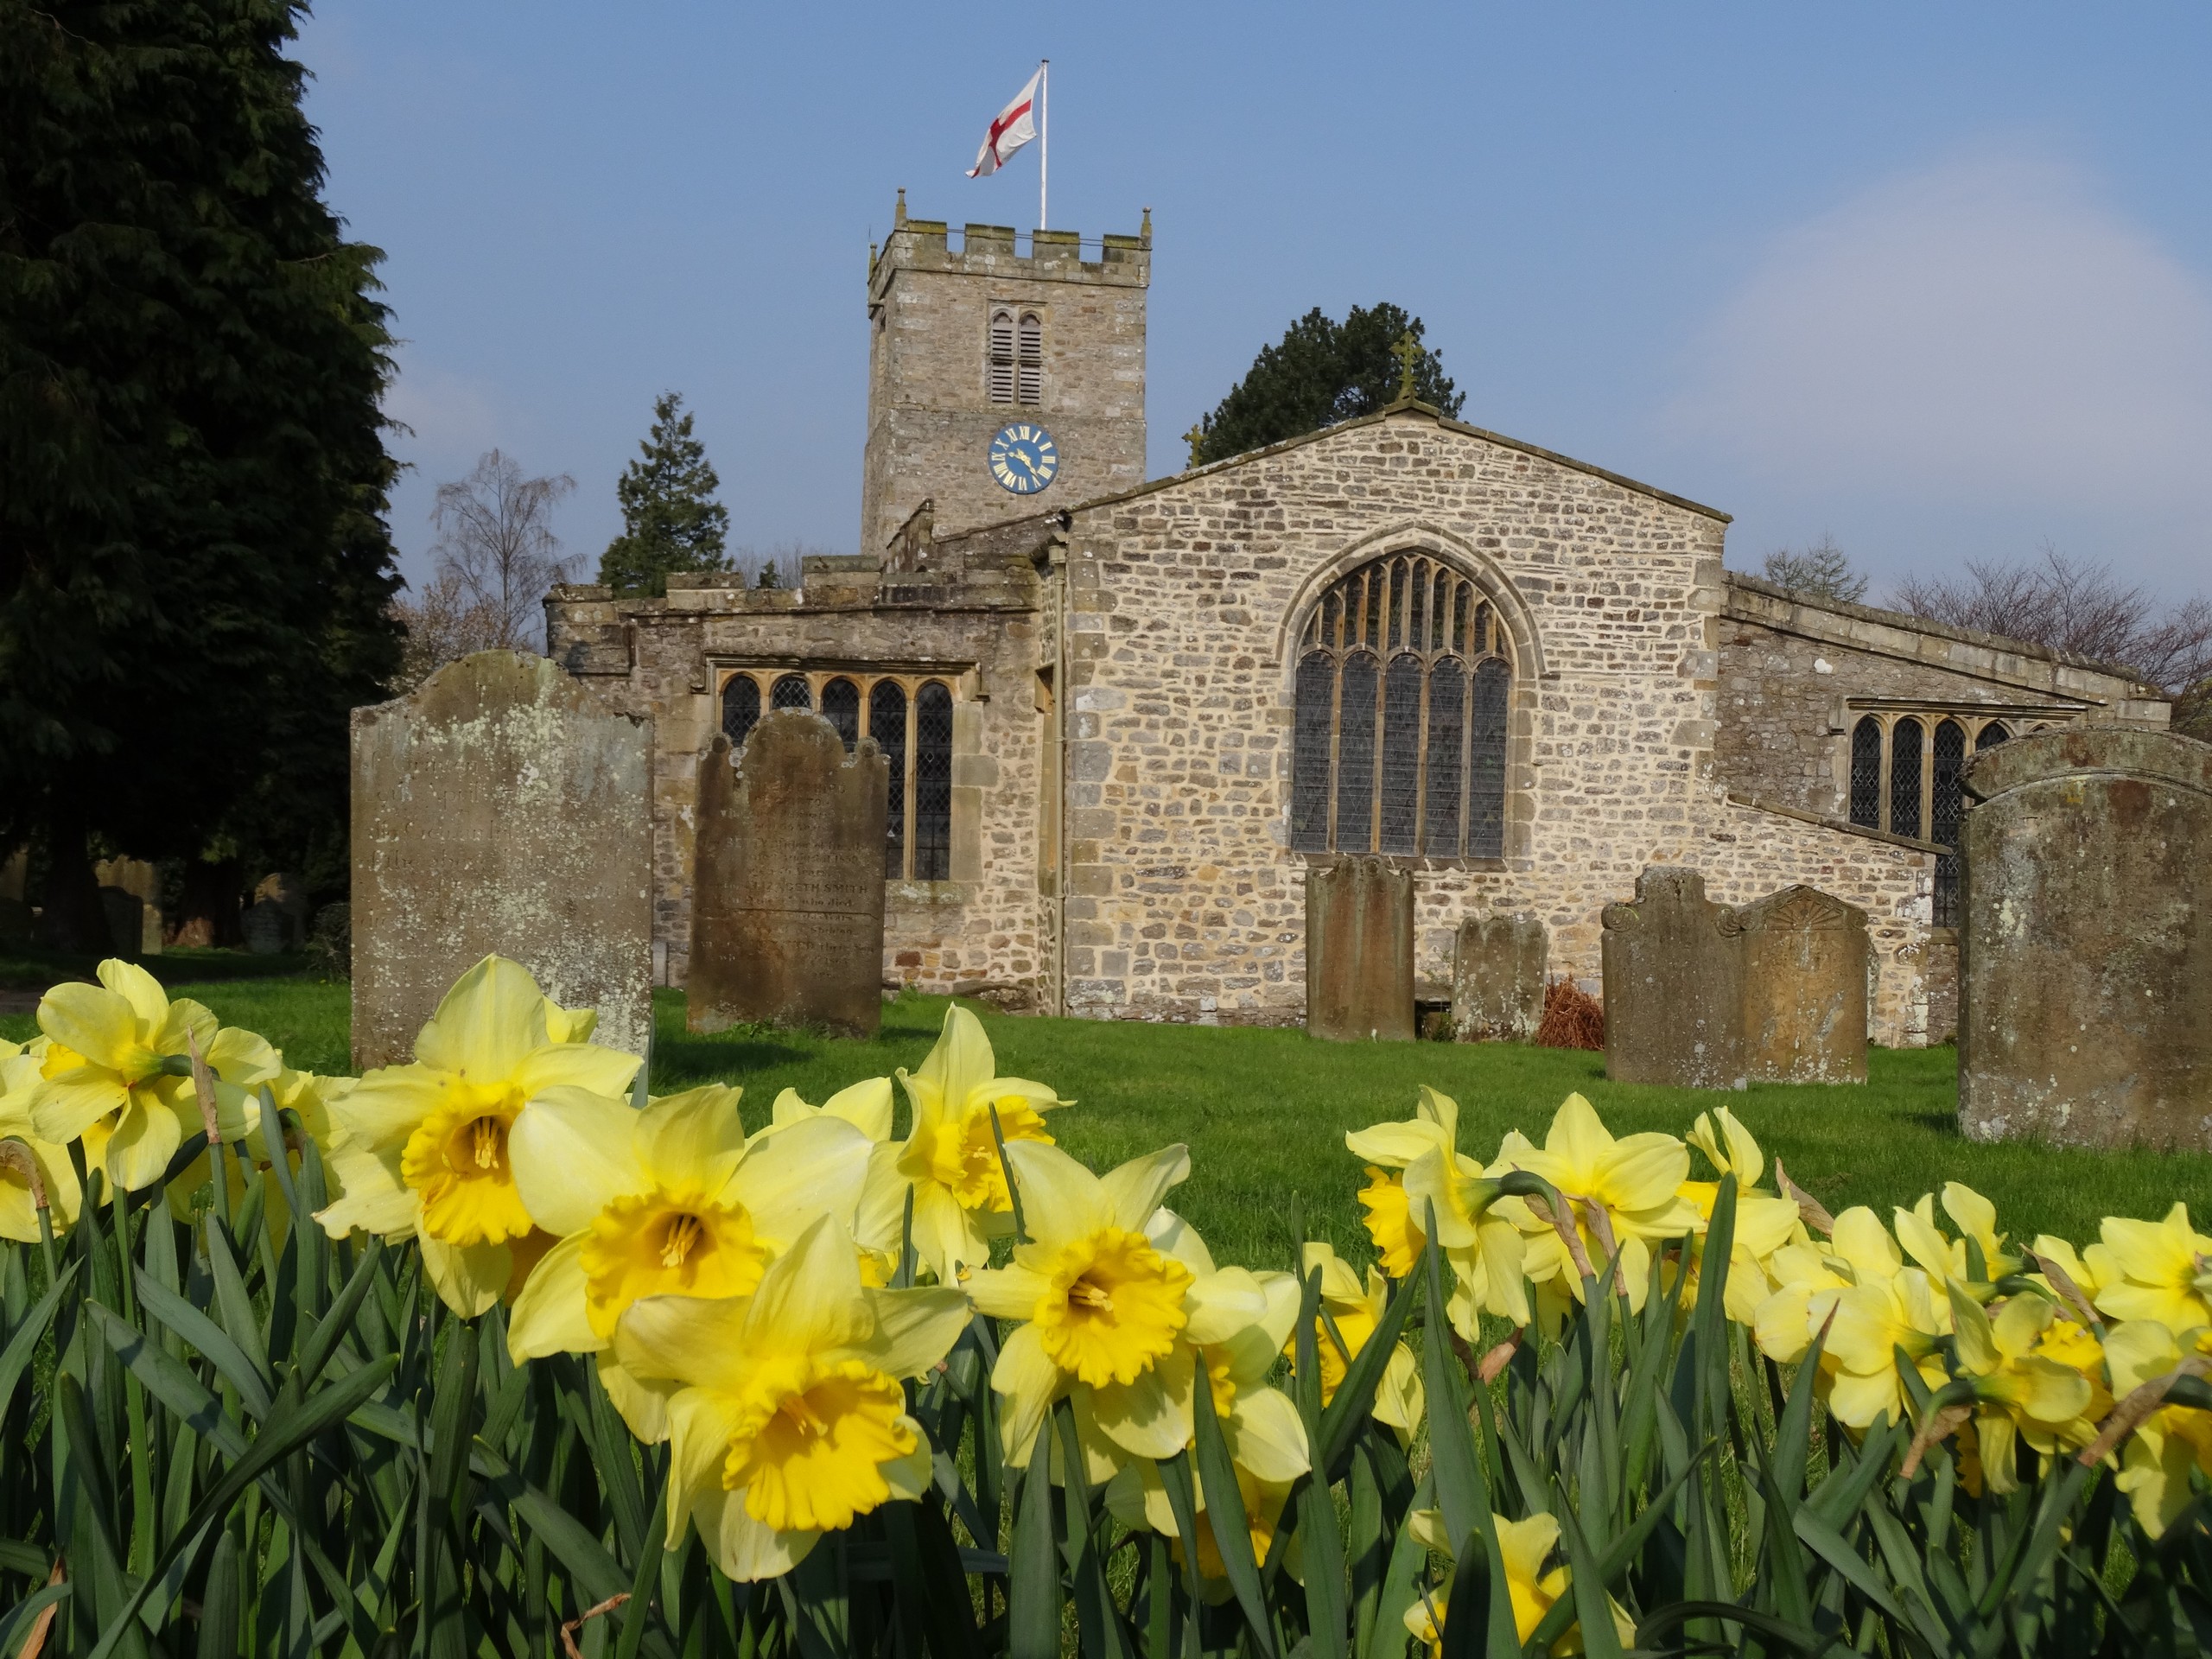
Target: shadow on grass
[36,970]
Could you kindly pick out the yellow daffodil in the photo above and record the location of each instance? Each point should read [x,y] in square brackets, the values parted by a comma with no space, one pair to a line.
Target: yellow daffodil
[1416,1165]
[2019,1391]
[114,1073]
[1873,1321]
[1634,1183]
[950,1160]
[1386,1149]
[1356,1311]
[20,1077]
[670,1201]
[1136,1498]
[1113,1296]
[300,1093]
[2049,1247]
[2157,1270]
[1525,1547]
[2156,1459]
[423,1149]
[865,1105]
[786,1415]
[1810,1277]
[1945,1260]
[1765,1222]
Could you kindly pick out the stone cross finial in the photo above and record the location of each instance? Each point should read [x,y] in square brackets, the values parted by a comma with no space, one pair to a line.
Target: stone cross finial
[1407,352]
[1194,437]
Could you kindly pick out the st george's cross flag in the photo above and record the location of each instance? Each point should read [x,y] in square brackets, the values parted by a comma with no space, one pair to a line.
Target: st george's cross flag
[1012,127]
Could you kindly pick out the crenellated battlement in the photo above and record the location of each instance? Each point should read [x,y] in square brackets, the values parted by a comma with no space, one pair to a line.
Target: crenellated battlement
[1001,251]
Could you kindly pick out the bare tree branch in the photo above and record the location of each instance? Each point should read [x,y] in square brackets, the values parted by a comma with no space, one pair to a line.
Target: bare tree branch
[496,541]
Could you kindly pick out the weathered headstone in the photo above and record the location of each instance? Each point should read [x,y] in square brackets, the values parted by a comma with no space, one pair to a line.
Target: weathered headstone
[1497,978]
[788,902]
[290,900]
[502,807]
[2086,951]
[1359,952]
[1805,988]
[267,929]
[130,893]
[1674,986]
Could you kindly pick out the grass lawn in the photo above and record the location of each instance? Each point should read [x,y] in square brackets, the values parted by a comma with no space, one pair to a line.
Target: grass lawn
[1264,1112]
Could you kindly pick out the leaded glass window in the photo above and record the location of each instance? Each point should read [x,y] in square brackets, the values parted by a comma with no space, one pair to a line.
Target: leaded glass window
[933,826]
[1408,759]
[841,706]
[1905,777]
[887,724]
[1866,773]
[1991,735]
[1945,804]
[741,709]
[792,691]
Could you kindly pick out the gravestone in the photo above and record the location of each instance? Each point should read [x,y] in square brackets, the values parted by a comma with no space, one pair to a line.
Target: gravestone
[289,899]
[1805,988]
[266,928]
[130,893]
[787,899]
[1674,986]
[1359,952]
[1497,978]
[2085,947]
[501,807]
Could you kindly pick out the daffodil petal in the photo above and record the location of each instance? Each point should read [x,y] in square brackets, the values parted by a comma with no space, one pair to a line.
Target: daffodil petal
[93,1021]
[1008,1293]
[1060,1200]
[808,1170]
[1026,1375]
[549,1316]
[483,1026]
[66,1106]
[1135,1190]
[1151,1416]
[574,1153]
[913,1329]
[579,1066]
[747,1551]
[695,1341]
[1222,1304]
[809,1298]
[468,1278]
[1269,1440]
[146,1137]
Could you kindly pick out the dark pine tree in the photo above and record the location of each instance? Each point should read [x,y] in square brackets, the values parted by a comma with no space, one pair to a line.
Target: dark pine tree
[670,520]
[195,574]
[1321,372]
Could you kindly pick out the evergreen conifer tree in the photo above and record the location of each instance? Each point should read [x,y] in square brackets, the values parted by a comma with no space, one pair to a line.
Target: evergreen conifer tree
[1321,372]
[195,574]
[670,520]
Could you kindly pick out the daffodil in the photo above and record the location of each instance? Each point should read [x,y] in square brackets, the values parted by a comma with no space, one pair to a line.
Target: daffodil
[1765,1221]
[20,1077]
[2019,1393]
[1946,1260]
[1809,1277]
[2156,1459]
[423,1149]
[1415,1166]
[1137,1497]
[1633,1184]
[115,1073]
[1355,1313]
[1114,1297]
[670,1201]
[786,1415]
[1873,1320]
[950,1159]
[2157,1270]
[304,1095]
[1525,1546]
[865,1105]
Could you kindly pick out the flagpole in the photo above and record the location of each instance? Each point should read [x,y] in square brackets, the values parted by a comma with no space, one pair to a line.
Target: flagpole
[1044,144]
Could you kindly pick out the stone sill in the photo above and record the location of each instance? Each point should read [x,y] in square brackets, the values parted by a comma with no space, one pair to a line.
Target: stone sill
[1406,861]
[923,896]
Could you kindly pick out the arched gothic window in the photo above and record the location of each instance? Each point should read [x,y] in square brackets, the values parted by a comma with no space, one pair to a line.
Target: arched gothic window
[1866,771]
[887,724]
[1946,802]
[999,369]
[741,709]
[1014,359]
[1905,777]
[1403,685]
[792,692]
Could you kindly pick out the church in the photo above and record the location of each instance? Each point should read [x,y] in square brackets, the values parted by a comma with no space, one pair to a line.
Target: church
[1124,715]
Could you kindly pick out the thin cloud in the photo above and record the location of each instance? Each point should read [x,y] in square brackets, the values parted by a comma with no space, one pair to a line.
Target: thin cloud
[1985,331]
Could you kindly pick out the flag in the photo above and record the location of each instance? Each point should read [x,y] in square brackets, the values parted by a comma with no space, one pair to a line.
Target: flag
[1012,127]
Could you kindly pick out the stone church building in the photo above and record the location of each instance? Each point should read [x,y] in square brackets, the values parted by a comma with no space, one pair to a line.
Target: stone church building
[1124,716]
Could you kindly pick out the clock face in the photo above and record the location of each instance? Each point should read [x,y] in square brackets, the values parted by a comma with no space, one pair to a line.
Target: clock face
[1023,458]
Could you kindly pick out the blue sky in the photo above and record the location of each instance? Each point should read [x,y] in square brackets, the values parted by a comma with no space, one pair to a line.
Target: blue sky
[1934,279]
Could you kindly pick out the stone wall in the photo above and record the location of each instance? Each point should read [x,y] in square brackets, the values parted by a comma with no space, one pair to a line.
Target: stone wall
[1790,669]
[931,418]
[967,614]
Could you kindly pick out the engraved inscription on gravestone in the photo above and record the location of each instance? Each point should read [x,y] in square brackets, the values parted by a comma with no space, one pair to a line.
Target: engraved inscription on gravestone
[787,900]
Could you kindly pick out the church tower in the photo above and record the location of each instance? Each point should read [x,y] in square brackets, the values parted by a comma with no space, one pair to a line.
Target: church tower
[1000,384]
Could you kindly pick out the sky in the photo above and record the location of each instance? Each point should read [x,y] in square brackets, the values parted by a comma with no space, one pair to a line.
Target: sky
[1932,279]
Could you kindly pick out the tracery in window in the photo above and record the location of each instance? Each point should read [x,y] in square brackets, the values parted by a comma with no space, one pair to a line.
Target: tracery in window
[1407,759]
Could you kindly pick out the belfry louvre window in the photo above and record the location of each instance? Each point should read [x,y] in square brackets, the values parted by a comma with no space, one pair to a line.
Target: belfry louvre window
[1015,370]
[910,717]
[1403,685]
[1906,779]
